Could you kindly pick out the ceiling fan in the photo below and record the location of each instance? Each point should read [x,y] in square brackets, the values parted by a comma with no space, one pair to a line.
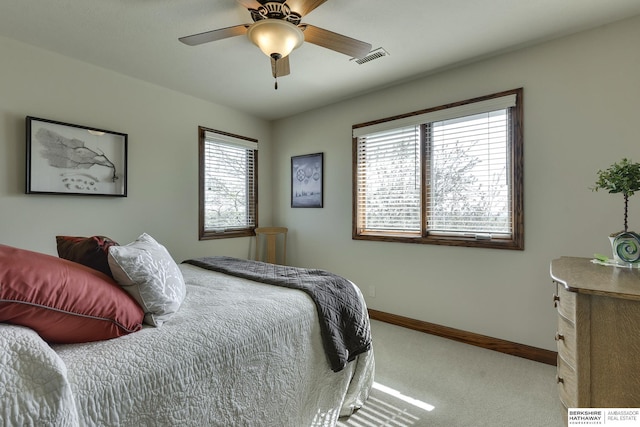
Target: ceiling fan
[277,30]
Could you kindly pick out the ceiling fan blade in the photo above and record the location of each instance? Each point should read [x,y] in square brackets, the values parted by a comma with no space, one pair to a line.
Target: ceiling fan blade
[280,67]
[249,4]
[304,7]
[335,41]
[210,36]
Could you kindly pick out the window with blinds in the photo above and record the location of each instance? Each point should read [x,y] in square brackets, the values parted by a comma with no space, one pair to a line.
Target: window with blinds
[447,175]
[228,184]
[388,181]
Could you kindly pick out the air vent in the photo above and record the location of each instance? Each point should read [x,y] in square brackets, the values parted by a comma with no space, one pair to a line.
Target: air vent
[374,54]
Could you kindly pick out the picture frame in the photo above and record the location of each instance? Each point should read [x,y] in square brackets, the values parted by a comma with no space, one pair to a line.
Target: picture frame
[307,180]
[64,158]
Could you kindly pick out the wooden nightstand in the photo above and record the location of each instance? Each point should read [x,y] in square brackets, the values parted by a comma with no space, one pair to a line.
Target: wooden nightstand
[598,334]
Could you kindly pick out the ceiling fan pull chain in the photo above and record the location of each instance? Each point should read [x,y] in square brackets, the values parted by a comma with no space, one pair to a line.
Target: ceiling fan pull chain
[275,57]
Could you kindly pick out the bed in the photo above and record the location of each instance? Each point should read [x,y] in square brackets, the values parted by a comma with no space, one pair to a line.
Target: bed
[237,352]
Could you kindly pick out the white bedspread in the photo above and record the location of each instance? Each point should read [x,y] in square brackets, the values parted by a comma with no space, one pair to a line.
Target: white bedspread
[237,353]
[34,390]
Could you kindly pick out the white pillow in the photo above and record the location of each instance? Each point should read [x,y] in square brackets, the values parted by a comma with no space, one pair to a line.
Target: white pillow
[147,272]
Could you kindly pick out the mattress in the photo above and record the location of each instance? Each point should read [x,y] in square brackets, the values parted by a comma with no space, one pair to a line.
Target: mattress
[237,353]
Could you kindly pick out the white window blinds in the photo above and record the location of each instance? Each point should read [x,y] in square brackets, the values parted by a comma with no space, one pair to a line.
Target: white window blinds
[468,175]
[439,114]
[229,182]
[445,171]
[389,180]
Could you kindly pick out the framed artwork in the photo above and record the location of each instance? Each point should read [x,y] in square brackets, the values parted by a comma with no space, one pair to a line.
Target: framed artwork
[70,159]
[307,176]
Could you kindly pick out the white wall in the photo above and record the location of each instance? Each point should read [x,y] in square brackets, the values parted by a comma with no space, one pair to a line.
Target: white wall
[163,155]
[581,97]
[581,105]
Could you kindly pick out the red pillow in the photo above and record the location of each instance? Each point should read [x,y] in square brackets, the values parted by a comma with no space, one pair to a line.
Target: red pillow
[65,302]
[90,251]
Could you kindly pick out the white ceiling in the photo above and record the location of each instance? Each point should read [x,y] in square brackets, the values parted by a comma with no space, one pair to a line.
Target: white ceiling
[139,38]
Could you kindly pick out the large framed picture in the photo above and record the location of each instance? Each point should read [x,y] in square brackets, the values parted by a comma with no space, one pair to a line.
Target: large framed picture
[307,177]
[63,158]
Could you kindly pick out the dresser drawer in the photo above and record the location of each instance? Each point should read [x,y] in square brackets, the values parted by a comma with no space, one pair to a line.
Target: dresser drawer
[566,341]
[567,384]
[566,303]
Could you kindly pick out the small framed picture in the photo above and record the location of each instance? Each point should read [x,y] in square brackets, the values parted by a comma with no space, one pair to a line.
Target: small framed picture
[63,158]
[307,177]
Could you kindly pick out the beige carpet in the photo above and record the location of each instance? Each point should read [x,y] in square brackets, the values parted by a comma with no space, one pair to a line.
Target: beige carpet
[425,380]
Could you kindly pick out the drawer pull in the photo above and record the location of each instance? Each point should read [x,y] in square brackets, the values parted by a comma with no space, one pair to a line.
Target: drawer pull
[559,336]
[556,298]
[559,379]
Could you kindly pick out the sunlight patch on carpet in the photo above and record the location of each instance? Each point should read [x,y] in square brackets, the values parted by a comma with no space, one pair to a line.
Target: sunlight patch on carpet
[387,407]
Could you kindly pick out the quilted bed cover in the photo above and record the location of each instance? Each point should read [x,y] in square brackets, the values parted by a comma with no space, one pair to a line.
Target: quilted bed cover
[237,353]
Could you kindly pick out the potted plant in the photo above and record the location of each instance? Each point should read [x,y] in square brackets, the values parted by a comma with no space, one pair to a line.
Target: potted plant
[622,177]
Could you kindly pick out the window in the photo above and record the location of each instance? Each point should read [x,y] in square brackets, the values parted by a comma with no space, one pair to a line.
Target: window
[228,184]
[450,175]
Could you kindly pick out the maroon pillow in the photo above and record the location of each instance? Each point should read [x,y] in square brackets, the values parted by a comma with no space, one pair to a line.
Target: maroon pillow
[65,302]
[89,251]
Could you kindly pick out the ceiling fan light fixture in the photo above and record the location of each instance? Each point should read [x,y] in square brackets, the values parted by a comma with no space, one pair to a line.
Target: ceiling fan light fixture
[275,37]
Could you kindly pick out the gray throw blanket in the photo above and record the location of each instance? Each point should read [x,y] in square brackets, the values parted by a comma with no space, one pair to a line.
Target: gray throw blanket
[344,321]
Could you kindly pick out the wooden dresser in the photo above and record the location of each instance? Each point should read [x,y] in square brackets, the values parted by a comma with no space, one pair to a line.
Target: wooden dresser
[598,334]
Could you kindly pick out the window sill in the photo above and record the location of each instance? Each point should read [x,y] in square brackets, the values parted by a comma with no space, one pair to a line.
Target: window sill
[471,242]
[212,235]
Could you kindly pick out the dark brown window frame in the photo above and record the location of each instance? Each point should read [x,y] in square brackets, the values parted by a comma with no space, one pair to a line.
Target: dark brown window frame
[516,176]
[235,232]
